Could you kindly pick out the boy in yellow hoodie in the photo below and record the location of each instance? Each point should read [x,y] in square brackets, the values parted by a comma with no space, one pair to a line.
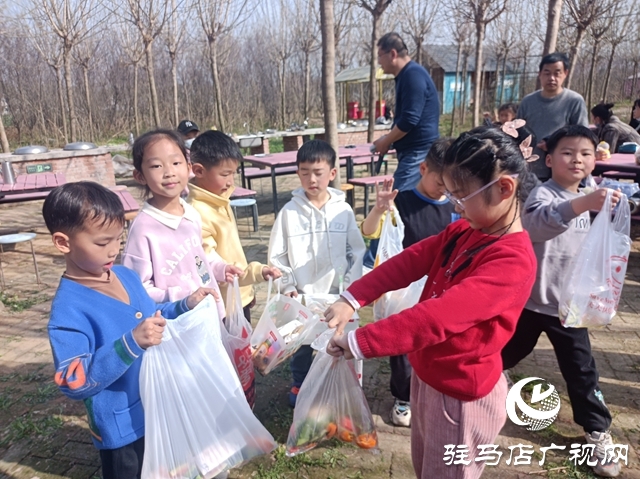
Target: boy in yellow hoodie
[214,159]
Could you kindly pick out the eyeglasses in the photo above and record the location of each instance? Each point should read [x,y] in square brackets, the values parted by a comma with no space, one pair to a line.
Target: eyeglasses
[460,202]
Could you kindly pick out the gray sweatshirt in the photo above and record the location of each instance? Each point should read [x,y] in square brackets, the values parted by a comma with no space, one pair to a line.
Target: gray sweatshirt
[546,115]
[557,234]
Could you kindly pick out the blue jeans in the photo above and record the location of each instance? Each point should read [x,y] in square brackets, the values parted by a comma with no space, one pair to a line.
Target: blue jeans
[300,364]
[407,174]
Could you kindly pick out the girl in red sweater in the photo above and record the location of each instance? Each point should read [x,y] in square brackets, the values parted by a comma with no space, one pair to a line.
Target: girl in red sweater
[480,273]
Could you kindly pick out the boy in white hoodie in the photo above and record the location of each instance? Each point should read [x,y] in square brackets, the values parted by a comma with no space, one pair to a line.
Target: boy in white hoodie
[315,241]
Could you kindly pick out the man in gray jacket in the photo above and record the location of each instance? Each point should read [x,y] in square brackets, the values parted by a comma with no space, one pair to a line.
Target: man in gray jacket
[556,216]
[551,108]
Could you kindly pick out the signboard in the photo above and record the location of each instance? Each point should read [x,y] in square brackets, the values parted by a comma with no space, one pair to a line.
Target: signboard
[41,168]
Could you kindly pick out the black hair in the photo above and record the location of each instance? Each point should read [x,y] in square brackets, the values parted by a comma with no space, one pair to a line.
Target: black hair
[435,157]
[523,132]
[213,147]
[484,152]
[603,111]
[69,207]
[555,58]
[149,138]
[315,151]
[570,131]
[393,41]
[509,107]
[635,104]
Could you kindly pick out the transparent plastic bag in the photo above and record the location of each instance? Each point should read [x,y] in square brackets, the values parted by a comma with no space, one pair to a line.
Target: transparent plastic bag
[318,303]
[197,421]
[238,342]
[594,282]
[390,245]
[283,327]
[331,403]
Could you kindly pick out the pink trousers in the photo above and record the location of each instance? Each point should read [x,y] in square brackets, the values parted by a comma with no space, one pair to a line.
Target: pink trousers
[438,419]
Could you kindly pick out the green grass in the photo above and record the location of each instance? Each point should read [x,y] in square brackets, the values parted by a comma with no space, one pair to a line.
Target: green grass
[42,394]
[29,426]
[17,303]
[282,465]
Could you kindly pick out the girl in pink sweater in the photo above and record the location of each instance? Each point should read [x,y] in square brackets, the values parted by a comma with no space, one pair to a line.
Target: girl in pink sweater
[480,273]
[164,245]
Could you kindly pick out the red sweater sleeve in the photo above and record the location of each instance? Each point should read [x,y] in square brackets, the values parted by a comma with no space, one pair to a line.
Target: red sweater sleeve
[398,272]
[498,280]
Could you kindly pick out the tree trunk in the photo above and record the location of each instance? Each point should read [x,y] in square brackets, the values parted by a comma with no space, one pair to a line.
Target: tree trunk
[455,89]
[463,103]
[73,119]
[174,78]
[502,75]
[85,74]
[591,73]
[65,127]
[607,75]
[215,77]
[373,63]
[136,116]
[283,92]
[553,26]
[574,52]
[153,95]
[307,83]
[523,87]
[328,79]
[3,137]
[478,85]
[418,41]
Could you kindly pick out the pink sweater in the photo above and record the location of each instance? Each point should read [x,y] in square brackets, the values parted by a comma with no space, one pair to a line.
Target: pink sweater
[166,252]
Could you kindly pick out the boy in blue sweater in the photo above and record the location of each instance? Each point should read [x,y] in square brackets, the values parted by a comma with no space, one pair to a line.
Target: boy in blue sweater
[102,320]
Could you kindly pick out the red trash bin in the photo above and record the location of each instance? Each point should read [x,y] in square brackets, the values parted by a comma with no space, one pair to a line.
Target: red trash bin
[352,110]
[381,108]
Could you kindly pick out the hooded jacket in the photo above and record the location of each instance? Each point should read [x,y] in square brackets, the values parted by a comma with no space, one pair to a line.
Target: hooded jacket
[315,248]
[615,132]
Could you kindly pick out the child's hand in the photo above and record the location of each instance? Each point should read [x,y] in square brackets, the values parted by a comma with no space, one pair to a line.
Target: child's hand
[149,332]
[339,346]
[594,201]
[339,314]
[230,271]
[271,272]
[385,195]
[486,114]
[199,294]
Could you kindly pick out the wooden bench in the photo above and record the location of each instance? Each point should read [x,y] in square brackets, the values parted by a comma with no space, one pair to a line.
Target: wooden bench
[253,173]
[30,187]
[367,182]
[240,192]
[619,175]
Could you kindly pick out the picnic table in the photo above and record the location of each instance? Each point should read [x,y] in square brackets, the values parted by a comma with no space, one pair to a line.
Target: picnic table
[30,186]
[619,162]
[285,162]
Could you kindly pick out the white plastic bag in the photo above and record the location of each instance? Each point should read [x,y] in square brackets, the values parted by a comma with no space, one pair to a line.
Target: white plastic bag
[331,403]
[197,420]
[318,303]
[283,327]
[594,282]
[390,245]
[238,343]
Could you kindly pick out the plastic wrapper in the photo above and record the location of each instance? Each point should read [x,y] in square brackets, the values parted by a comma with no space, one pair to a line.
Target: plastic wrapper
[283,327]
[593,285]
[330,404]
[318,303]
[197,421]
[237,342]
[390,245]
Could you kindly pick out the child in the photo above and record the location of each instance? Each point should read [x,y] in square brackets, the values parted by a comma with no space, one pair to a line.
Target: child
[480,273]
[96,329]
[506,112]
[425,211]
[164,245]
[315,240]
[557,218]
[215,157]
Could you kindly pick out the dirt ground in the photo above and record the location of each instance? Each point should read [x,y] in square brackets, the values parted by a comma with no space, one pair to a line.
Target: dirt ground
[44,435]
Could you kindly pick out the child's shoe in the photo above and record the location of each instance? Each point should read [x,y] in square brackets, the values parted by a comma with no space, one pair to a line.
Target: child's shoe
[603,468]
[293,395]
[401,413]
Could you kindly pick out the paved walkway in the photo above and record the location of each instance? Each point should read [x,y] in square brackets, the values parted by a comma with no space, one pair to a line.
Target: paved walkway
[44,435]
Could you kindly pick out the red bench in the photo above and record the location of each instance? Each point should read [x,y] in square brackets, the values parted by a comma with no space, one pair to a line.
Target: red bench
[257,173]
[367,182]
[30,187]
[240,192]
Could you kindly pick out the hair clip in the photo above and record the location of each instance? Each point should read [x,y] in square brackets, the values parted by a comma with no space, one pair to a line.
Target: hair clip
[527,150]
[511,127]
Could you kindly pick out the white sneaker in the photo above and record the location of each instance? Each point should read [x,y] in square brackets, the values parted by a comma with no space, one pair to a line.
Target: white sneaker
[602,468]
[401,413]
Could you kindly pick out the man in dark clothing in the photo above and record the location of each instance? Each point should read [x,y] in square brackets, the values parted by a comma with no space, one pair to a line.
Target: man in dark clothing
[415,126]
